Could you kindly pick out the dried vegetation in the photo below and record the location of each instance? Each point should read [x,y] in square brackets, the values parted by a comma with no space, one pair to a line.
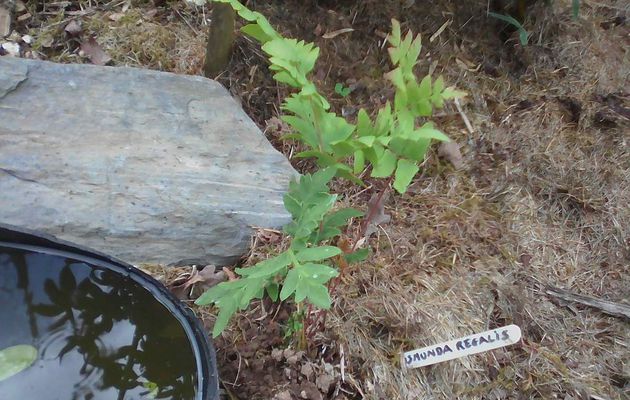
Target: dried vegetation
[543,200]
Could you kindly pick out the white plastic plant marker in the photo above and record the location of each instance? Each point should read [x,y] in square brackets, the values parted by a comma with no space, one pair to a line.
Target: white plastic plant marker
[465,346]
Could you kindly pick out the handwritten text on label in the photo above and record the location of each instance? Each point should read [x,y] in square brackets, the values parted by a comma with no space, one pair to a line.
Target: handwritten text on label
[461,347]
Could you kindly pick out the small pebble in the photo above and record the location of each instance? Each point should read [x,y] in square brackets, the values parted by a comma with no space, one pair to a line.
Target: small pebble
[12,49]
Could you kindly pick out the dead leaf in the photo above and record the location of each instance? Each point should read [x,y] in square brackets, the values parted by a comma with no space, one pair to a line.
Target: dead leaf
[333,34]
[461,64]
[46,40]
[116,16]
[277,127]
[526,259]
[149,14]
[95,52]
[231,275]
[376,212]
[450,151]
[73,28]
[211,277]
[269,236]
[308,371]
[206,278]
[181,286]
[324,382]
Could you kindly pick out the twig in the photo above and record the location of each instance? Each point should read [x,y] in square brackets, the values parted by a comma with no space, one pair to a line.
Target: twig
[238,371]
[342,363]
[228,391]
[464,117]
[608,307]
[371,213]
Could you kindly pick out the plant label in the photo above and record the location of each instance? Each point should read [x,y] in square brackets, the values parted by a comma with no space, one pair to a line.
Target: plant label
[456,348]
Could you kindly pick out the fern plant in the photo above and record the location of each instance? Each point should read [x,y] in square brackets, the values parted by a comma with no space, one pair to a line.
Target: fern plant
[392,145]
[303,269]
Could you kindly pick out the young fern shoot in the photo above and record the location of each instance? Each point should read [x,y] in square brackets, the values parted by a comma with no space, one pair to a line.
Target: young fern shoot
[393,146]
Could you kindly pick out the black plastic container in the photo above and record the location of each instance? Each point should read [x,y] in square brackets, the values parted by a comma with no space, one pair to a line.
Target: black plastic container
[102,328]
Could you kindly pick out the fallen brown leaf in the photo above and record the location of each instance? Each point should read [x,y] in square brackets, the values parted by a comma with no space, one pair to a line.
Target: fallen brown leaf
[269,236]
[116,16]
[211,277]
[149,14]
[46,40]
[231,275]
[95,52]
[206,278]
[181,286]
[376,212]
[318,30]
[73,28]
[450,151]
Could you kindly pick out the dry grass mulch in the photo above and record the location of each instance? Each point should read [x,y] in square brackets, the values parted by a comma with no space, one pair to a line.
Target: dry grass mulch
[543,200]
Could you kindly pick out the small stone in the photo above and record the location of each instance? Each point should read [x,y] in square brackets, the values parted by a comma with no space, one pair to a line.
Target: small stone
[28,39]
[293,357]
[11,48]
[309,391]
[308,371]
[284,395]
[277,354]
[324,382]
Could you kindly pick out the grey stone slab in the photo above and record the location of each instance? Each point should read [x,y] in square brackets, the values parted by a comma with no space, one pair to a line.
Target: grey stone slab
[143,165]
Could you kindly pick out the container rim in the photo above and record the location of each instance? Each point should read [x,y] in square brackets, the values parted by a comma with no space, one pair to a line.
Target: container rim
[205,354]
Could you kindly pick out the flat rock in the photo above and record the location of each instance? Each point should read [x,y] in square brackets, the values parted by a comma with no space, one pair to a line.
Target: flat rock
[146,166]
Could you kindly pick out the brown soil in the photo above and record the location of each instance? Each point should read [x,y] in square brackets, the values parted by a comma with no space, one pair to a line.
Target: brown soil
[542,201]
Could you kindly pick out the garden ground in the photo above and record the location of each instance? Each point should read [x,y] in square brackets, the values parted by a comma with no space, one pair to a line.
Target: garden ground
[542,200]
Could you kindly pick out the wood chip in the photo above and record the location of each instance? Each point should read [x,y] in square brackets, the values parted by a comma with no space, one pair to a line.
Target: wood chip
[333,34]
[24,17]
[5,22]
